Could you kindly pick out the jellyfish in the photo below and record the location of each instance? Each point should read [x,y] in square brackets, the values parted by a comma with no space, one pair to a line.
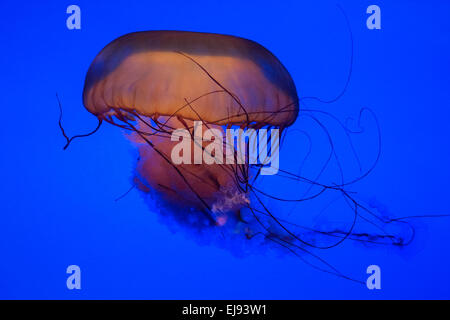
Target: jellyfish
[168,80]
[178,94]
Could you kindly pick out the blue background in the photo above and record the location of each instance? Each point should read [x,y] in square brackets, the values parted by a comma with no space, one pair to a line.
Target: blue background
[57,207]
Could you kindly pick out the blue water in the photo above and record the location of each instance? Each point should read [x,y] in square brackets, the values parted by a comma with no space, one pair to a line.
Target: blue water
[57,207]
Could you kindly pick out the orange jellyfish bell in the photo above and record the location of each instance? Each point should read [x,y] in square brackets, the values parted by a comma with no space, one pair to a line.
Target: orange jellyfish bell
[156,82]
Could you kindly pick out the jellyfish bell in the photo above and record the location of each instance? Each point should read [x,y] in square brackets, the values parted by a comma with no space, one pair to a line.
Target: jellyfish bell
[227,79]
[156,82]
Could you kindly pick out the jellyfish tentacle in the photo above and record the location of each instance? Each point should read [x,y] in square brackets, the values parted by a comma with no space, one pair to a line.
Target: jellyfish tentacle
[69,140]
[350,70]
[289,245]
[379,139]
